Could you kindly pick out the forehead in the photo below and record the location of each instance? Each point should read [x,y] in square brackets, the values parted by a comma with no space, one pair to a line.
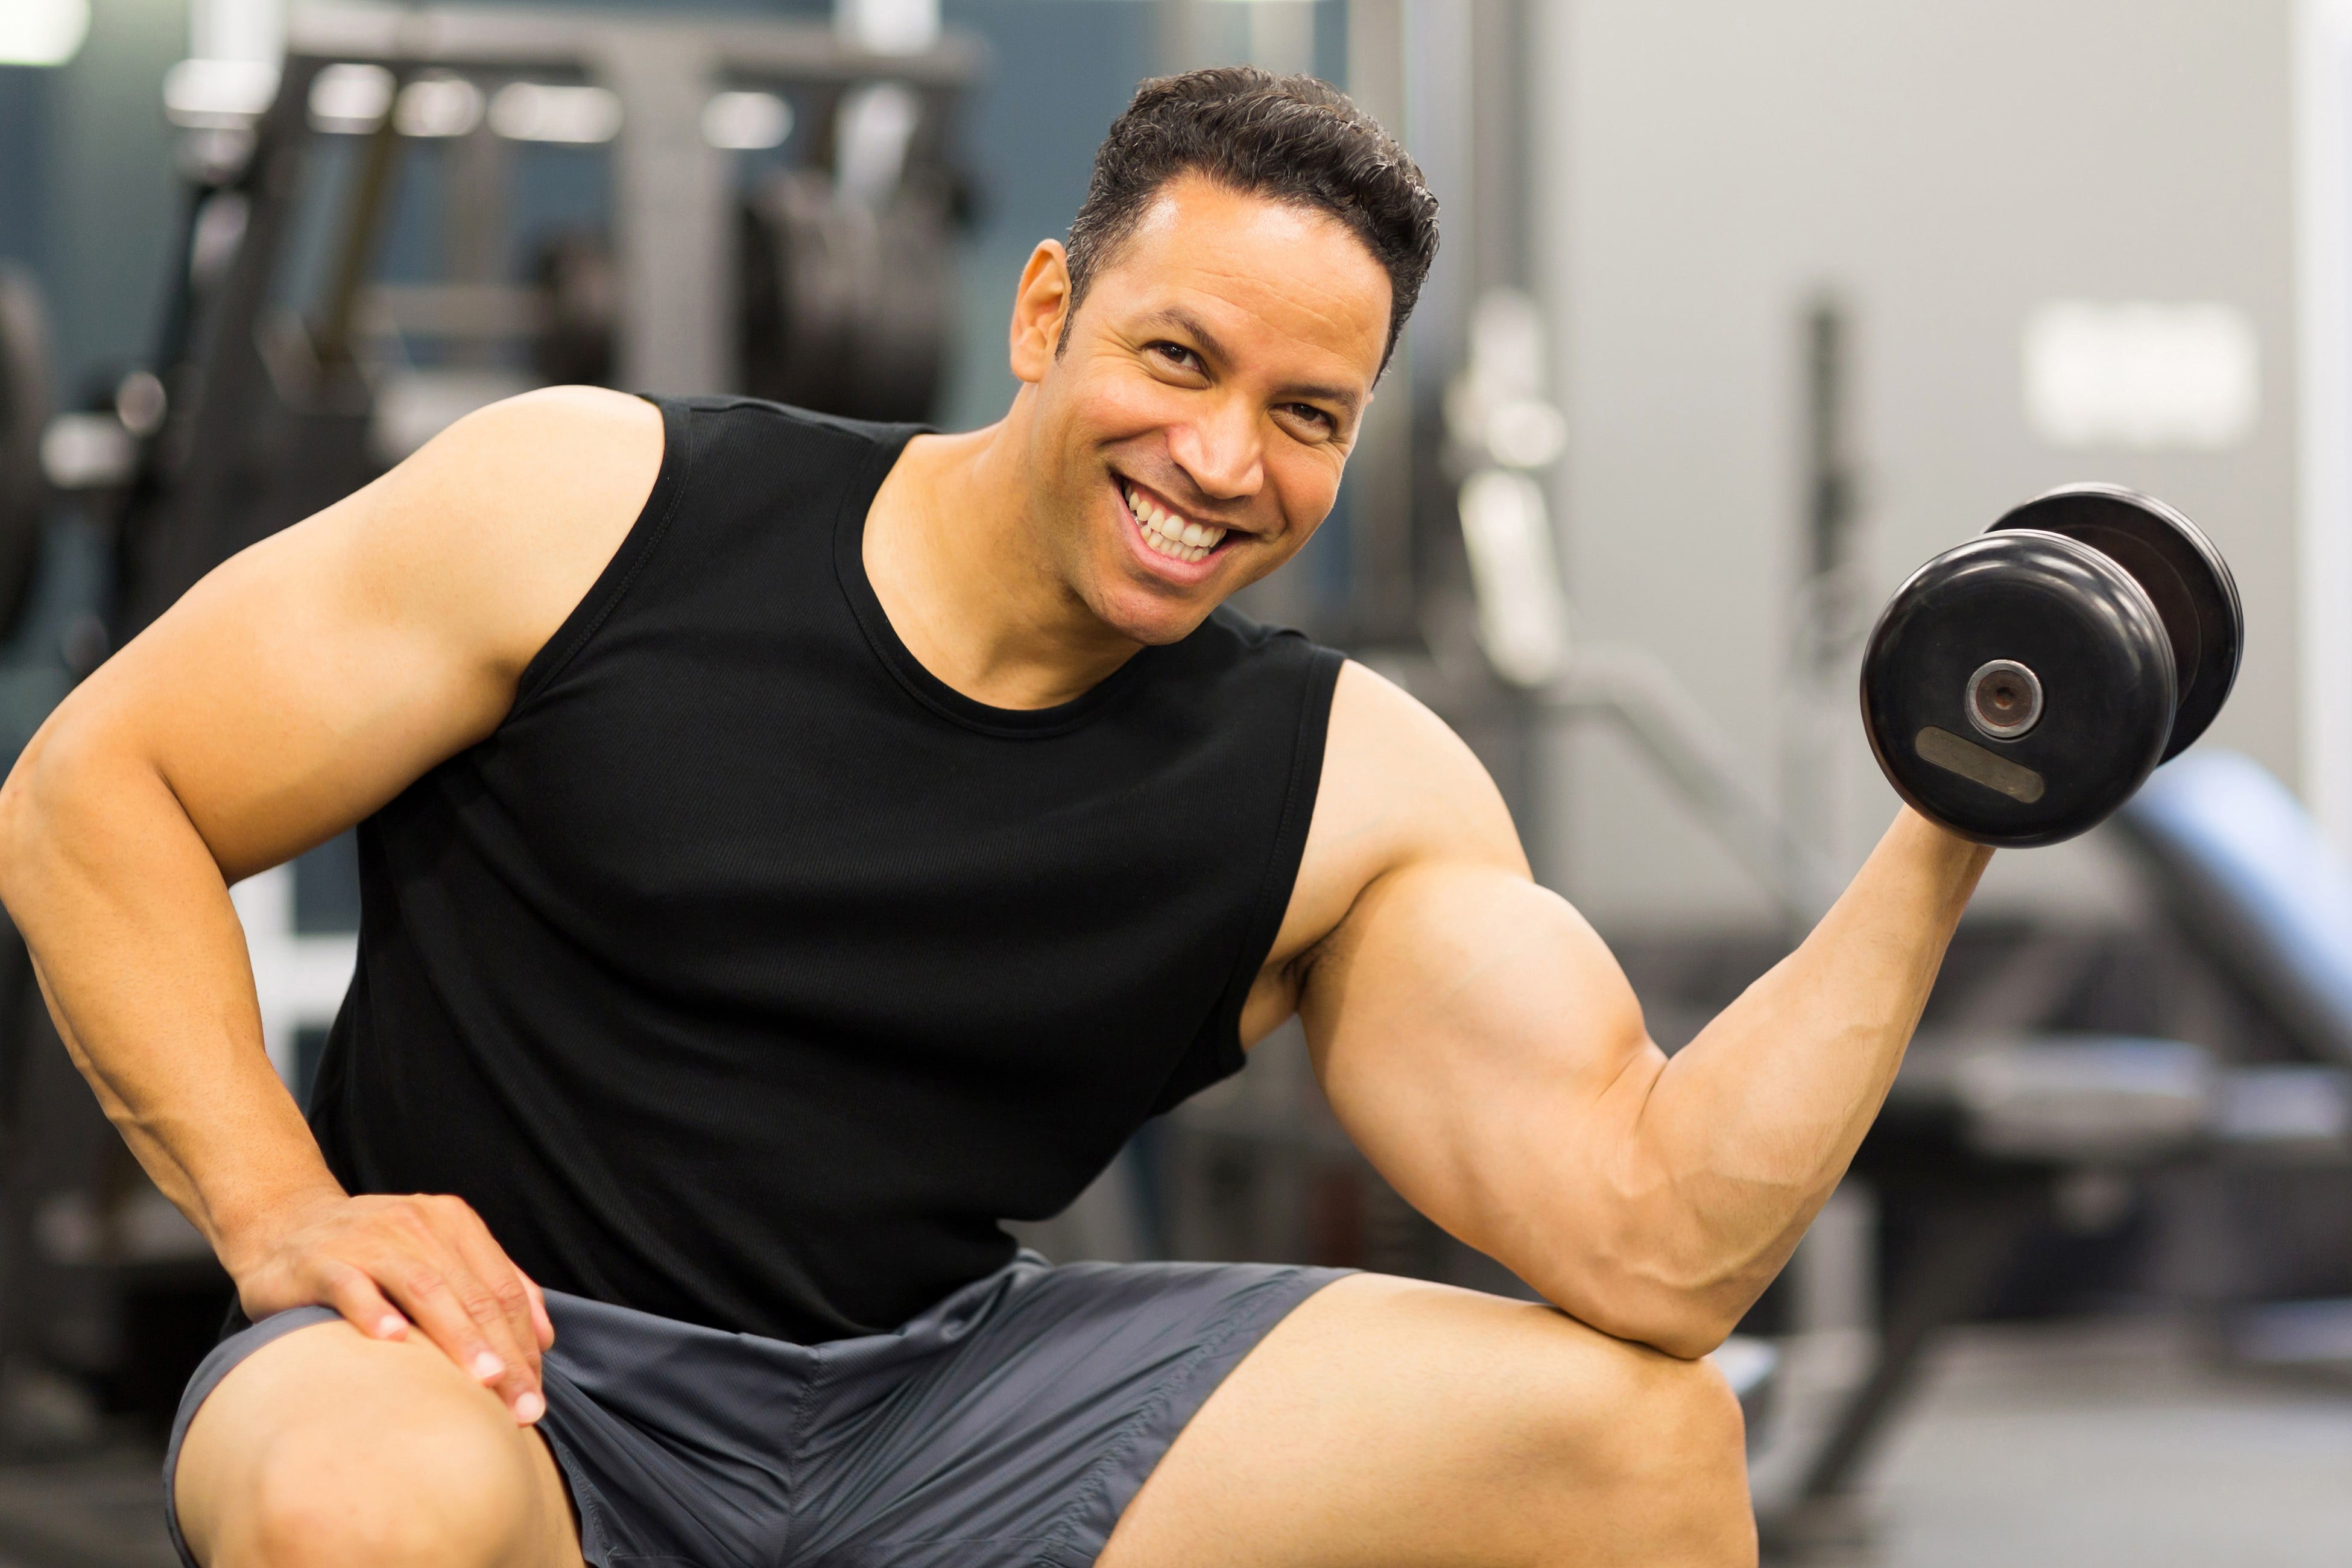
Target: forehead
[1271,277]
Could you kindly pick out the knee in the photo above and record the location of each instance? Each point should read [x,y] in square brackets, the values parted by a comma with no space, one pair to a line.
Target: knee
[1655,1449]
[403,1495]
[1683,1466]
[1683,1419]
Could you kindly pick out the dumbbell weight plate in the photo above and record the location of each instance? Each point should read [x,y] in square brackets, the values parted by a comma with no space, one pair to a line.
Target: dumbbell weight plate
[2010,621]
[2184,575]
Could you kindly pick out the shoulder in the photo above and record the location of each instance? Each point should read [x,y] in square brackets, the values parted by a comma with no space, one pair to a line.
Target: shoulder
[1396,776]
[568,420]
[495,529]
[772,434]
[538,456]
[1399,787]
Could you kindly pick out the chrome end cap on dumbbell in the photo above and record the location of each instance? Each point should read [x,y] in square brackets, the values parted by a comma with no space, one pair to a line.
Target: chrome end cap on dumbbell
[2004,699]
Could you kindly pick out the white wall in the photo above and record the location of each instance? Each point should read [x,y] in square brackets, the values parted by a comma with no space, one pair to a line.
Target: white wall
[1945,168]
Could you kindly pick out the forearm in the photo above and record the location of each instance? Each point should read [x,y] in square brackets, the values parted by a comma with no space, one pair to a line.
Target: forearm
[144,965]
[1749,1127]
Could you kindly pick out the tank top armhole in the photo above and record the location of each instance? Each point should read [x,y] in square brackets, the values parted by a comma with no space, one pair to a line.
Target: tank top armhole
[1217,1052]
[638,545]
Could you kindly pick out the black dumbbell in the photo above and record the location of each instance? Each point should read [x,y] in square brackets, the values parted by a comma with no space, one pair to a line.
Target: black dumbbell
[2020,686]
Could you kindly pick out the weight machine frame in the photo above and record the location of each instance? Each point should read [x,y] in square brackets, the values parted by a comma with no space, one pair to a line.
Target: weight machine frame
[238,459]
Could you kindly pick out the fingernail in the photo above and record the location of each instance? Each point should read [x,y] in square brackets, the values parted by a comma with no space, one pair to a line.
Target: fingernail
[530,1408]
[487,1366]
[389,1327]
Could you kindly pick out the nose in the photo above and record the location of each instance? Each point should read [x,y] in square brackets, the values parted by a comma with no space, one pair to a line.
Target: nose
[1223,451]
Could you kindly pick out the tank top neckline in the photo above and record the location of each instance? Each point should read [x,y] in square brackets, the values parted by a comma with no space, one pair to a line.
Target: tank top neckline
[865,606]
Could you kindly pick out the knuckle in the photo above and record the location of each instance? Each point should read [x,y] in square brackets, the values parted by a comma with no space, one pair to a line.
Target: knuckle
[480,1305]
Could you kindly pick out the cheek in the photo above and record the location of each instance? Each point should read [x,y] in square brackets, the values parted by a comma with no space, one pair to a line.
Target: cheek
[1306,484]
[1121,404]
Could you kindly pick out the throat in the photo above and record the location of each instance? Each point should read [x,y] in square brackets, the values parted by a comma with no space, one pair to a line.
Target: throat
[971,598]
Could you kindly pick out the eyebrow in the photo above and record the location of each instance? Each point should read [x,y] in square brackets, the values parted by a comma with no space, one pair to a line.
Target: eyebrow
[1210,344]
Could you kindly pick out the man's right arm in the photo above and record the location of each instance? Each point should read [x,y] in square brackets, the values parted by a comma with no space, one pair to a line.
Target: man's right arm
[294,691]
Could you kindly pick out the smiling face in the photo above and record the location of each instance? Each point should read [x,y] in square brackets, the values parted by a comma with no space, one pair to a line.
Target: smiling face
[1187,436]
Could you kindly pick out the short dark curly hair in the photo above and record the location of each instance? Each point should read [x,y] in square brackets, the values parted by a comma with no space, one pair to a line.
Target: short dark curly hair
[1290,138]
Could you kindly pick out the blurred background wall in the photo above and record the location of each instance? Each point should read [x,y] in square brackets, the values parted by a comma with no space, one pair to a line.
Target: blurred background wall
[1939,172]
[86,190]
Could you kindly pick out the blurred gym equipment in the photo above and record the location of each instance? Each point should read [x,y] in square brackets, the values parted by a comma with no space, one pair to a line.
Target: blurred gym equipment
[24,415]
[781,204]
[2019,688]
[1994,1129]
[2246,871]
[845,304]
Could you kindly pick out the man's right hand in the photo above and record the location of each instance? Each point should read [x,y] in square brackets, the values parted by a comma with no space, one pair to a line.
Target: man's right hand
[385,1263]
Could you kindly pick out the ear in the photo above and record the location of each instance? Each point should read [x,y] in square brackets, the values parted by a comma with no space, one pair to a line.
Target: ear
[1040,306]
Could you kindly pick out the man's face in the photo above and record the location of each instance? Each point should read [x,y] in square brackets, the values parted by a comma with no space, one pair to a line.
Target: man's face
[1190,432]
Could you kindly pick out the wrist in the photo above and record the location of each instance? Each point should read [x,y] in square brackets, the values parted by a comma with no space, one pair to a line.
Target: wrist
[245,1236]
[1938,872]
[1932,838]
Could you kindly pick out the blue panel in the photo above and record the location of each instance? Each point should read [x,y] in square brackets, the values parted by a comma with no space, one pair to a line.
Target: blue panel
[556,191]
[24,117]
[1061,71]
[2254,875]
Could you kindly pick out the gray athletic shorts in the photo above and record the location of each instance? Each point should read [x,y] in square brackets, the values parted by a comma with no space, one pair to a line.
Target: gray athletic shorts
[1010,1424]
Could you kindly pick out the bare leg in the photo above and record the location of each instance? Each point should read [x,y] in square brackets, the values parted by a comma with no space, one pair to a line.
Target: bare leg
[1391,1424]
[326,1447]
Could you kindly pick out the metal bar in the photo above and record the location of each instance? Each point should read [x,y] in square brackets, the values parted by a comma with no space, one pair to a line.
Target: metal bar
[194,530]
[1630,686]
[362,225]
[459,36]
[1964,1247]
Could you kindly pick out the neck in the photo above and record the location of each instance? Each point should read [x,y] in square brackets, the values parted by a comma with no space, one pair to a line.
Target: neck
[961,564]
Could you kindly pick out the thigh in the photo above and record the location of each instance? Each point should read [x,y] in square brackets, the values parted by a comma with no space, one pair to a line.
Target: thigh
[327,1436]
[1395,1422]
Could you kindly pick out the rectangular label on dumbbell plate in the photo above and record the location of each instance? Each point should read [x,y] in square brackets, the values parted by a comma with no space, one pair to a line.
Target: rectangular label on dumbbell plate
[1973,763]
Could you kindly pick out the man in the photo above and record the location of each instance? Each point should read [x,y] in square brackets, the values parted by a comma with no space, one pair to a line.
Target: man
[790,846]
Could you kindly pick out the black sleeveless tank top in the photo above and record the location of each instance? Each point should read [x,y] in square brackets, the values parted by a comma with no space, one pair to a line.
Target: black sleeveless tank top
[748,974]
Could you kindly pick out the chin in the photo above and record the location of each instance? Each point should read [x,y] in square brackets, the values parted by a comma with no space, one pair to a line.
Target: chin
[1150,617]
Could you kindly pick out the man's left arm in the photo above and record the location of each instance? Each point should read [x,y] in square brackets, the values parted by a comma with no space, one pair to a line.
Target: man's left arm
[1488,1056]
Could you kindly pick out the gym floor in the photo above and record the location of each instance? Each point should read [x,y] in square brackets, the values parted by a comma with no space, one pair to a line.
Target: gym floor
[2075,1445]
[2090,1444]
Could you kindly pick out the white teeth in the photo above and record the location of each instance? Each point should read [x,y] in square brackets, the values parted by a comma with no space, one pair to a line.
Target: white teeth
[1171,535]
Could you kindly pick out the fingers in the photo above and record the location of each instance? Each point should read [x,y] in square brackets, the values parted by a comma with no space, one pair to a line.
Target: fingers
[541,1324]
[387,1263]
[354,1295]
[433,1279]
[509,1292]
